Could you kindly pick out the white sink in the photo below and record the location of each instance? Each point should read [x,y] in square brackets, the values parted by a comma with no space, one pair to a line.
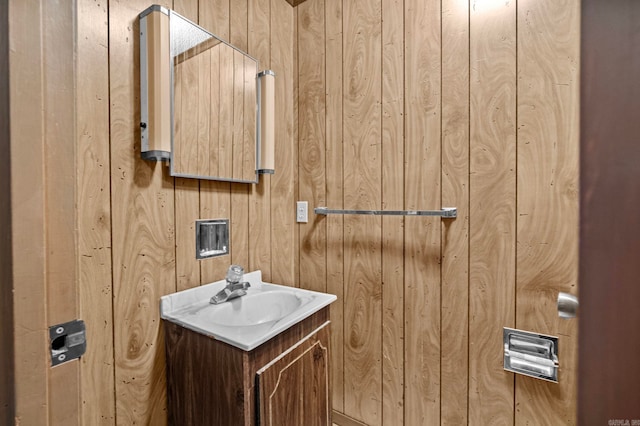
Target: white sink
[245,322]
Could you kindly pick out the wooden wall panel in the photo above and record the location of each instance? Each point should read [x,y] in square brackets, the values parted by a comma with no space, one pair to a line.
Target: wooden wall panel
[259,46]
[60,197]
[215,197]
[548,142]
[311,141]
[94,224]
[362,115]
[143,235]
[454,356]
[187,191]
[422,191]
[492,209]
[335,192]
[238,35]
[392,199]
[28,204]
[7,396]
[282,247]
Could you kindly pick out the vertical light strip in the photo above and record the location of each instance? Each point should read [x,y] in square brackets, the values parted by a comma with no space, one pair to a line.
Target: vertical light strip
[266,123]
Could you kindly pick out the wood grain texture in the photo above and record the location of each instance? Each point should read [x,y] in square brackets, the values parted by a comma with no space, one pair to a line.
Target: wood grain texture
[143,236]
[454,356]
[282,234]
[311,141]
[27,205]
[213,16]
[335,192]
[94,215]
[59,108]
[294,388]
[197,395]
[260,197]
[7,394]
[239,192]
[422,191]
[192,133]
[492,209]
[548,205]
[362,182]
[215,197]
[392,199]
[225,392]
[205,103]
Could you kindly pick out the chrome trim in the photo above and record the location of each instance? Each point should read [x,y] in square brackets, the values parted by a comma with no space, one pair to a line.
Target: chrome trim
[266,72]
[446,212]
[154,8]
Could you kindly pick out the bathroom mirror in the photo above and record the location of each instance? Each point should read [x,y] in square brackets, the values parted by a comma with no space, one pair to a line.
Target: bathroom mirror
[211,87]
[214,106]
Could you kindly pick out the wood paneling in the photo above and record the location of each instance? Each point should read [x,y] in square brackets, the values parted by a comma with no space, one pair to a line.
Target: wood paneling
[422,191]
[547,197]
[143,235]
[94,224]
[259,46]
[311,141]
[215,197]
[7,396]
[238,35]
[393,199]
[492,211]
[443,134]
[335,192]
[454,355]
[31,89]
[60,192]
[282,238]
[362,59]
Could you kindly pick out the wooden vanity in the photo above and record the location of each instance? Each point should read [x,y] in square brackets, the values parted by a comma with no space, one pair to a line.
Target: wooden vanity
[284,381]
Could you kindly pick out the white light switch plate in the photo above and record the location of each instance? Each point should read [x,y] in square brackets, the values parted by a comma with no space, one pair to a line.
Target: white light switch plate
[302,212]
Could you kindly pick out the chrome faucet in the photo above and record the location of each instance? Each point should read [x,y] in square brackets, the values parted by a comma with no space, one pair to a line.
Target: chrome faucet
[235,286]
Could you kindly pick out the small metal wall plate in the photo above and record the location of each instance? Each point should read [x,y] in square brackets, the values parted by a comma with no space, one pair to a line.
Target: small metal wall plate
[67,341]
[531,354]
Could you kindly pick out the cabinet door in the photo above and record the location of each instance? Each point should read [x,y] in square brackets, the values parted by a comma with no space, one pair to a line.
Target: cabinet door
[293,389]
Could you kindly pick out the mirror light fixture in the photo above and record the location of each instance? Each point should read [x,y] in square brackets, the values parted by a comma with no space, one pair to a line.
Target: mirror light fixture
[266,122]
[155,84]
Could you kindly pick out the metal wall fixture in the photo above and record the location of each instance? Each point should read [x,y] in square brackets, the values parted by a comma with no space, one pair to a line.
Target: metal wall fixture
[567,305]
[266,122]
[531,354]
[445,212]
[212,238]
[67,341]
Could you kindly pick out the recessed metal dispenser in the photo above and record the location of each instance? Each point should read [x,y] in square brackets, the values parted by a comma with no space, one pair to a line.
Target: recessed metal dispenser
[212,238]
[531,354]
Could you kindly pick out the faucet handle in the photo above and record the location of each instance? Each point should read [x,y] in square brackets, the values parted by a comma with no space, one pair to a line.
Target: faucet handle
[235,273]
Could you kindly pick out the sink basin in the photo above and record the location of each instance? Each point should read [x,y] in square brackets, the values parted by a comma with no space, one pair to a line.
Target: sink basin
[245,322]
[253,309]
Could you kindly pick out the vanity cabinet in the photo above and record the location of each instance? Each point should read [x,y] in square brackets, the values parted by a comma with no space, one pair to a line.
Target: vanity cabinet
[284,381]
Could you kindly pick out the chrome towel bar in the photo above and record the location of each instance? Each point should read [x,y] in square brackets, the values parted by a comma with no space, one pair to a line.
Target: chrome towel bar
[445,213]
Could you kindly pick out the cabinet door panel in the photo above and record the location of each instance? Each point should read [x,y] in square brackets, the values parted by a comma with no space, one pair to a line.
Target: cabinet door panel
[294,388]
